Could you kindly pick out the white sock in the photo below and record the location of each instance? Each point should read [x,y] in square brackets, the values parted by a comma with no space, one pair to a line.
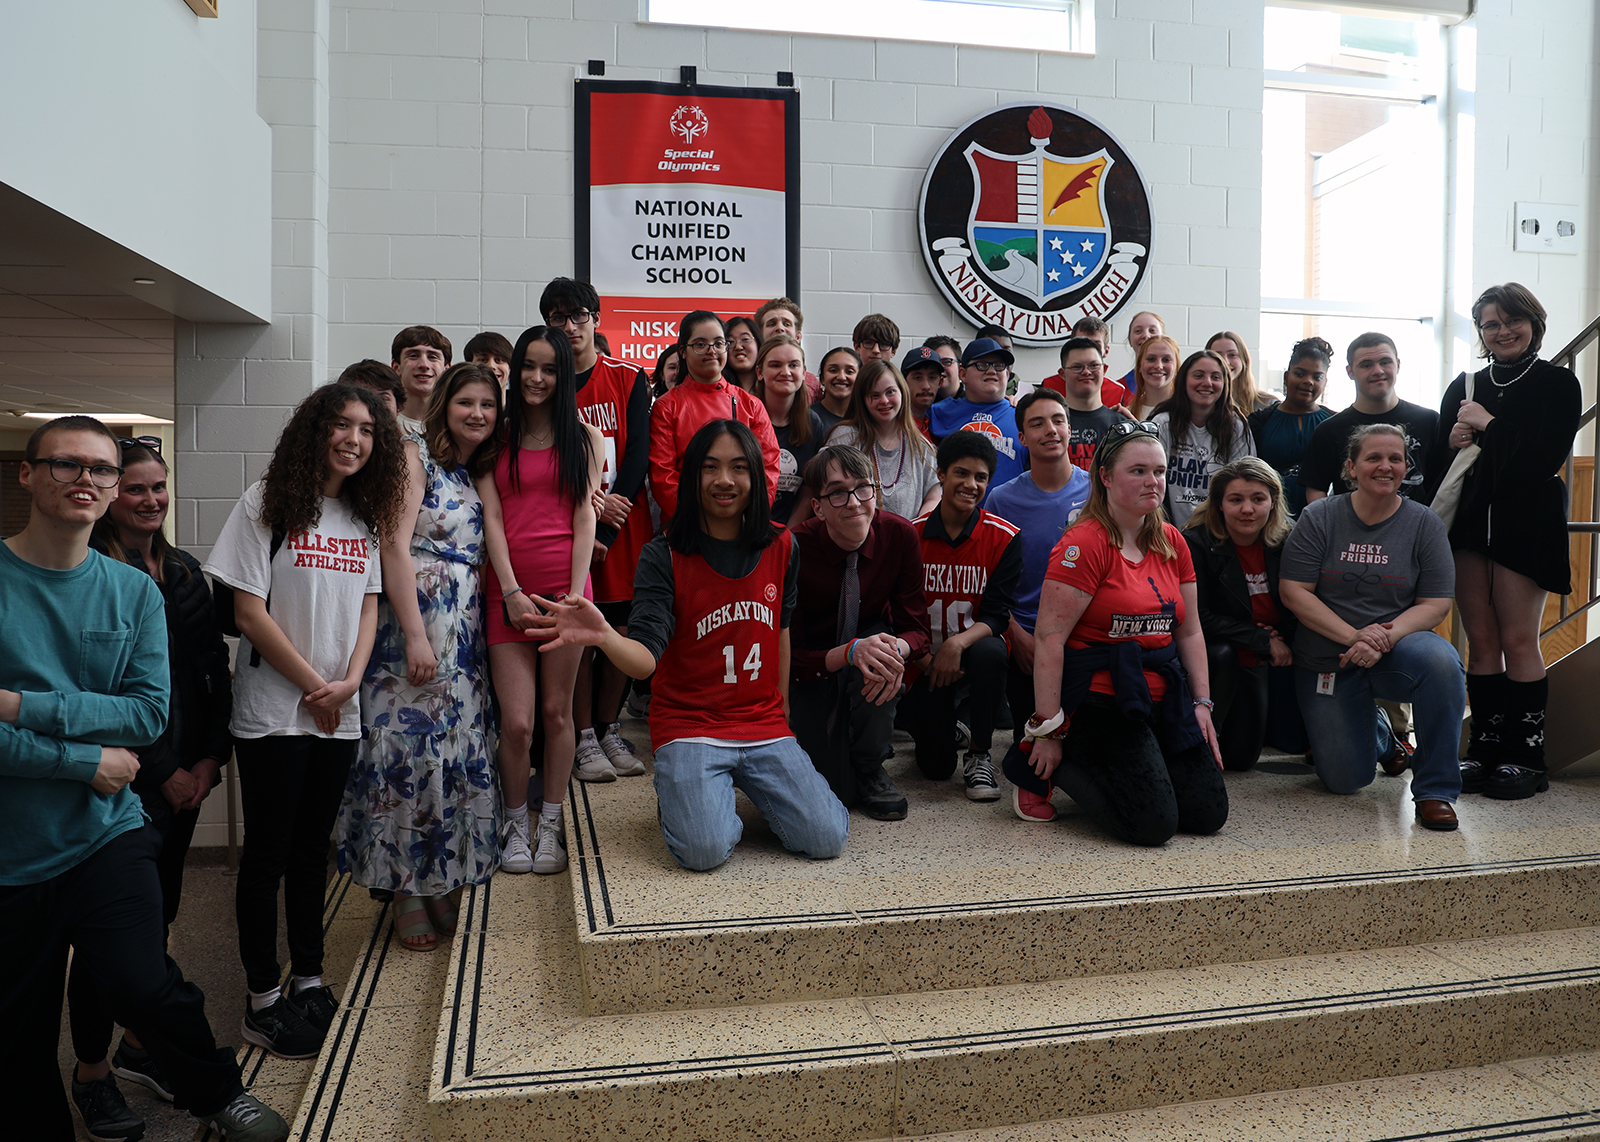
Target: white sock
[299,983]
[519,814]
[551,811]
[260,1001]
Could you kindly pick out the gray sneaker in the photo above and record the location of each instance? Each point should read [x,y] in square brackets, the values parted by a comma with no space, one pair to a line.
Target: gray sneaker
[105,1114]
[619,753]
[879,797]
[248,1119]
[978,773]
[589,762]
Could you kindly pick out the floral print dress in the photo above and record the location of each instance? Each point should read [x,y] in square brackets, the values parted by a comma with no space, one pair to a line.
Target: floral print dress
[421,811]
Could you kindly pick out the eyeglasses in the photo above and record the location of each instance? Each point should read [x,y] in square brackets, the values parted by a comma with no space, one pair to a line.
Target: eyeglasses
[863,493]
[1082,368]
[947,361]
[70,471]
[562,320]
[880,346]
[151,442]
[997,367]
[744,342]
[1130,428]
[1490,328]
[716,346]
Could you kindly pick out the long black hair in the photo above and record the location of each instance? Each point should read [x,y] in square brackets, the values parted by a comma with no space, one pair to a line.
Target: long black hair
[756,529]
[574,448]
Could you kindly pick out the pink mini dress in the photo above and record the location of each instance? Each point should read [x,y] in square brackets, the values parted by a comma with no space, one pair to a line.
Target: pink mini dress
[538,522]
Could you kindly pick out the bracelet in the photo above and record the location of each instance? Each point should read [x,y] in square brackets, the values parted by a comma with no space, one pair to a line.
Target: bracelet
[850,652]
[1206,702]
[1047,729]
[508,594]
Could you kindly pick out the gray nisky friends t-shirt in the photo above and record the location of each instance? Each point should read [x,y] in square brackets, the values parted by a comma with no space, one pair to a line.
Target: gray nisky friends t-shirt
[1364,574]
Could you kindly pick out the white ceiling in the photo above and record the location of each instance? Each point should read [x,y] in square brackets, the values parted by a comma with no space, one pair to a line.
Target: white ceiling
[69,344]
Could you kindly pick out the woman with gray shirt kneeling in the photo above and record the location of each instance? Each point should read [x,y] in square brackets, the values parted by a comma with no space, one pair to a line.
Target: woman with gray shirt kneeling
[1369,575]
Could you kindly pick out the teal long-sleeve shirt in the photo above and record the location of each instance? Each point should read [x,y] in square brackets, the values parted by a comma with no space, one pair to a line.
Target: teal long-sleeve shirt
[87,650]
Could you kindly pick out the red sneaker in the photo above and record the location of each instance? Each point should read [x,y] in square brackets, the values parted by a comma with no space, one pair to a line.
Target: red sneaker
[1030,806]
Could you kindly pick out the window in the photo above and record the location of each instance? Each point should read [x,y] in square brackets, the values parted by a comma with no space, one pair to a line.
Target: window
[1042,25]
[1353,183]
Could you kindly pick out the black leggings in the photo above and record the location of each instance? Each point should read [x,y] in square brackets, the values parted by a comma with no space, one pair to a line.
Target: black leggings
[930,715]
[1240,693]
[290,788]
[1113,767]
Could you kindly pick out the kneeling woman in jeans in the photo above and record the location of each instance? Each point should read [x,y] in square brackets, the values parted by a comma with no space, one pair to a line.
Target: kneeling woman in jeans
[1236,538]
[1370,575]
[1119,657]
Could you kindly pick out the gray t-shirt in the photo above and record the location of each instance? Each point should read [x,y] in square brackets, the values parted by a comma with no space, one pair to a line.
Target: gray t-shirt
[1364,574]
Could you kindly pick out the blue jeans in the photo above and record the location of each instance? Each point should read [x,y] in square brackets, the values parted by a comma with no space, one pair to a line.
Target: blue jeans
[694,788]
[1348,736]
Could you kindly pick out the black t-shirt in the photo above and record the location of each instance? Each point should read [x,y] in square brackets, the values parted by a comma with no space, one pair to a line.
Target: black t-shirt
[1086,430]
[792,461]
[1324,460]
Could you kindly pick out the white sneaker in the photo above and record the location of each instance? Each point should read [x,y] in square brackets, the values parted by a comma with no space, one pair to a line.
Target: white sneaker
[516,855]
[551,854]
[589,762]
[978,772]
[619,753]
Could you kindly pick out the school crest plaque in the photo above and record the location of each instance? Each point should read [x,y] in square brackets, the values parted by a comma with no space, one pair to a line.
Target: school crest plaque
[1033,216]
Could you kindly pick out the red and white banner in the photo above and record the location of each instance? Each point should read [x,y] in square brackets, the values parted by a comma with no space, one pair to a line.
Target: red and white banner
[686,197]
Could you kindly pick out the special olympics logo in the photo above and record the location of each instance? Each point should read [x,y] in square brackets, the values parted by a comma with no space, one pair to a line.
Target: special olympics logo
[690,123]
[771,593]
[1032,217]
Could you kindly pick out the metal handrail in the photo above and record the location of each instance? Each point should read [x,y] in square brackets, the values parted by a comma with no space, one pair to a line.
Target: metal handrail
[1567,357]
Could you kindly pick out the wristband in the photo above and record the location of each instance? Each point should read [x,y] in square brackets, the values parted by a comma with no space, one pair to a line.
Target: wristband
[850,652]
[1049,729]
[1206,702]
[508,594]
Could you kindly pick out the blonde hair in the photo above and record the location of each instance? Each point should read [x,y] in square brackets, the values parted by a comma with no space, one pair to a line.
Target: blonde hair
[864,431]
[1153,531]
[1138,363]
[1209,513]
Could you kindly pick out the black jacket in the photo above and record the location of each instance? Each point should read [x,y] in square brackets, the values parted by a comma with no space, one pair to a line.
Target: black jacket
[202,687]
[1224,600]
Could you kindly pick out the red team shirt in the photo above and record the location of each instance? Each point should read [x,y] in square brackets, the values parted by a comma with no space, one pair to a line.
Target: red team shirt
[718,677]
[603,403]
[1130,600]
[954,575]
[1253,561]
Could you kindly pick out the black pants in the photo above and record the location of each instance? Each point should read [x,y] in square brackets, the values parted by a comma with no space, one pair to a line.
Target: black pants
[844,734]
[88,1007]
[1240,694]
[1114,768]
[290,788]
[930,714]
[108,909]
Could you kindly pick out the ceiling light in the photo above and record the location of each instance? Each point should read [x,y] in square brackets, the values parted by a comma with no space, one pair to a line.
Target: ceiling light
[106,417]
[144,281]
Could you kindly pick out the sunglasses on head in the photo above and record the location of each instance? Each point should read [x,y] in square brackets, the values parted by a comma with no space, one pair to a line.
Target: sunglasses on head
[1122,432]
[151,442]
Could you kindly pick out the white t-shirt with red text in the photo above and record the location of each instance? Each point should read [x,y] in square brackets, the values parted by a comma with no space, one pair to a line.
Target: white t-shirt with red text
[314,587]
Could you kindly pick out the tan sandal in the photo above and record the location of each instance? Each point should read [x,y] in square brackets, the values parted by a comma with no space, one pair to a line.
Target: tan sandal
[412,926]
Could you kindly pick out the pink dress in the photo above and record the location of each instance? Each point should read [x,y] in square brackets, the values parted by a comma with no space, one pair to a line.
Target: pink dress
[538,522]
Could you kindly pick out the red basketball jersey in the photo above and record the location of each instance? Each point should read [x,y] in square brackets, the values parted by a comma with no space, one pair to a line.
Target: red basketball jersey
[718,677]
[954,575]
[603,403]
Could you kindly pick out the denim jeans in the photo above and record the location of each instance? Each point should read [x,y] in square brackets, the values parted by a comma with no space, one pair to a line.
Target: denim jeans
[1348,736]
[694,788]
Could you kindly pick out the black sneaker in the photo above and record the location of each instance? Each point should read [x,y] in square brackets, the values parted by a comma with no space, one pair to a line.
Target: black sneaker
[1514,782]
[318,1005]
[281,1029]
[139,1066]
[106,1117]
[247,1119]
[879,797]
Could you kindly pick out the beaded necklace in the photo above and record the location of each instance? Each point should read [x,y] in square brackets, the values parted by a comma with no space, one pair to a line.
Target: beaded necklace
[1533,359]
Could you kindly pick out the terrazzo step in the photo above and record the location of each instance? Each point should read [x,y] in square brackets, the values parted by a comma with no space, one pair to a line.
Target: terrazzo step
[962,894]
[1554,1099]
[517,1055]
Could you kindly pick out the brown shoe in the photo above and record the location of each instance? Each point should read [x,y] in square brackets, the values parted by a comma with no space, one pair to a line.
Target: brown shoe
[1439,815]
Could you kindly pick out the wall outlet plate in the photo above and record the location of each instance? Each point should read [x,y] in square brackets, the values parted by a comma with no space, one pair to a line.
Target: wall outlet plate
[1545,228]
